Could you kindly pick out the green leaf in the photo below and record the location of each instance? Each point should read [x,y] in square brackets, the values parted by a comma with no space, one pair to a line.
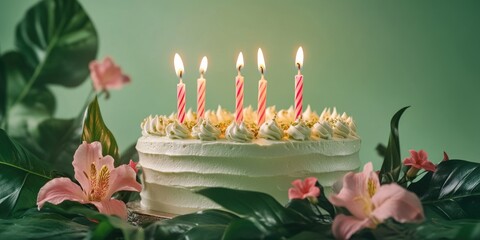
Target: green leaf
[178,226]
[430,229]
[59,139]
[308,235]
[442,229]
[211,232]
[38,104]
[323,201]
[305,208]
[272,219]
[21,176]
[108,227]
[454,190]
[58,40]
[392,164]
[14,72]
[42,226]
[129,154]
[421,186]
[3,92]
[94,129]
[246,228]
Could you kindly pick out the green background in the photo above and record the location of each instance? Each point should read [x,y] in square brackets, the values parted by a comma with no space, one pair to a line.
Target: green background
[368,58]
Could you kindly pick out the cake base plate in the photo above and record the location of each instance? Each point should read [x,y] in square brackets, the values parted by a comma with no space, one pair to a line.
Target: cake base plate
[139,216]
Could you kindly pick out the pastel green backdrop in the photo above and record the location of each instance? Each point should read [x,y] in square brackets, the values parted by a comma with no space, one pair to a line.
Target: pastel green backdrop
[368,58]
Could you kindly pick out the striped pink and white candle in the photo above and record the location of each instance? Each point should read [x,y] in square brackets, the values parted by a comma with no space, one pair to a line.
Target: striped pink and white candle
[181,101]
[239,91]
[262,101]
[181,98]
[299,85]
[298,96]
[262,90]
[201,89]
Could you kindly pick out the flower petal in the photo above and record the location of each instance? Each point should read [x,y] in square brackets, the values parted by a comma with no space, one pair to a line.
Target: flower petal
[414,155]
[112,207]
[422,155]
[313,192]
[107,75]
[95,73]
[58,190]
[353,192]
[429,166]
[294,193]
[344,227]
[84,156]
[368,167]
[310,182]
[133,165]
[394,201]
[408,161]
[297,183]
[123,178]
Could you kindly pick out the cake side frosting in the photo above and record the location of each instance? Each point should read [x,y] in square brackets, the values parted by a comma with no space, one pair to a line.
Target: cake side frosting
[174,169]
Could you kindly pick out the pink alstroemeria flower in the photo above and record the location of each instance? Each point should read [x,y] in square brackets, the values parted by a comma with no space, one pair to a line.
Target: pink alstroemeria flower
[416,161]
[106,75]
[98,179]
[371,203]
[305,189]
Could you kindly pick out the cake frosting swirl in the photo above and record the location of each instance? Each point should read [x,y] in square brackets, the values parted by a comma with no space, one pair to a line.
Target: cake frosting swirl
[205,131]
[299,131]
[176,130]
[323,130]
[239,133]
[154,125]
[270,130]
[341,129]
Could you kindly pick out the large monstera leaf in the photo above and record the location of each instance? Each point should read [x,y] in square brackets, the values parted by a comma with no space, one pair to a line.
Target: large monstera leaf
[55,42]
[58,38]
[22,174]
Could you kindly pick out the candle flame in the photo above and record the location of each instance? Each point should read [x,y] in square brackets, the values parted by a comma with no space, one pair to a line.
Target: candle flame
[177,61]
[203,65]
[261,61]
[299,58]
[240,61]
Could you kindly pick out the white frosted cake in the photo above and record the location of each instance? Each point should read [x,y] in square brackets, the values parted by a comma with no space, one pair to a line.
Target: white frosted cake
[178,159]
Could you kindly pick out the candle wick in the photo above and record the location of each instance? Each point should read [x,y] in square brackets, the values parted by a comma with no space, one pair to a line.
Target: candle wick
[298,65]
[180,74]
[261,70]
[239,68]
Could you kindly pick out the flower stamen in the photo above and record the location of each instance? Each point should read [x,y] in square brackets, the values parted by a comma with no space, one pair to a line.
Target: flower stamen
[99,183]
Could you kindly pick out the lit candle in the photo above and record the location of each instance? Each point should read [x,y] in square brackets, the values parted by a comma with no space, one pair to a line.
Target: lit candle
[299,84]
[181,100]
[262,90]
[239,91]
[201,89]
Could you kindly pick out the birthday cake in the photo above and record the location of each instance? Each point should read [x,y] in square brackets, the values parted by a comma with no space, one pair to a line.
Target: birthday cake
[215,151]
